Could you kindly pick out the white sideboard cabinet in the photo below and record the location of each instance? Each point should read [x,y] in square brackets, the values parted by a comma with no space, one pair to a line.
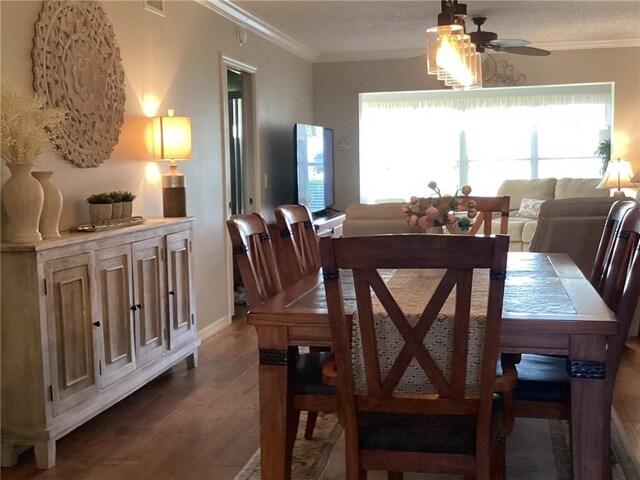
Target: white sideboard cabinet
[86,320]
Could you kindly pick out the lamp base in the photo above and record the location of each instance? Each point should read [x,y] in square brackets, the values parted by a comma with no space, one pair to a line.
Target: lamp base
[174,202]
[174,197]
[619,194]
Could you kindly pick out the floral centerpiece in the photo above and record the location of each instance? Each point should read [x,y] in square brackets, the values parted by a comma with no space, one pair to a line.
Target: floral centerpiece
[27,126]
[438,210]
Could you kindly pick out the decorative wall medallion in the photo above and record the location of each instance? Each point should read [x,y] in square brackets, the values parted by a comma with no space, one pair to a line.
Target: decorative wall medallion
[77,66]
[499,73]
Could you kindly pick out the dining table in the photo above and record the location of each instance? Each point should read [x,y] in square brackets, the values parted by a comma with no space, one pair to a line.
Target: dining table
[549,307]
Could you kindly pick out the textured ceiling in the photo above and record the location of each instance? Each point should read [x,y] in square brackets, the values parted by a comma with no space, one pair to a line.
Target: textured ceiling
[361,30]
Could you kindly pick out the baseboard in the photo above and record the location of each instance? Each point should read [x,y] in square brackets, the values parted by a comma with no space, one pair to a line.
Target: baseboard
[210,330]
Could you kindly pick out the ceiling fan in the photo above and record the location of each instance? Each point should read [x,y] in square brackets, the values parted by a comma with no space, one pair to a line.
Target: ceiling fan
[483,40]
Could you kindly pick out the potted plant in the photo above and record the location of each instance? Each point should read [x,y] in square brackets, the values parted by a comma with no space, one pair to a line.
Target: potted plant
[127,205]
[100,206]
[604,152]
[117,206]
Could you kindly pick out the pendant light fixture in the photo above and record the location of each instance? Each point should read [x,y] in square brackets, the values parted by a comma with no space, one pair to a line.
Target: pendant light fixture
[450,54]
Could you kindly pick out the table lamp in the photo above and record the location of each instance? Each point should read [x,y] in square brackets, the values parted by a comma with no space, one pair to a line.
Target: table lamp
[172,142]
[617,175]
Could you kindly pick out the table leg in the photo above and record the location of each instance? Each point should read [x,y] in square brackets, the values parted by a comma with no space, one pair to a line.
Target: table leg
[590,410]
[274,402]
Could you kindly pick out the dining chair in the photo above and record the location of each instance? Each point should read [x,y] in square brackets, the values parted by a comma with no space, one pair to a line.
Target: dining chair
[605,248]
[543,389]
[486,207]
[300,255]
[255,257]
[416,374]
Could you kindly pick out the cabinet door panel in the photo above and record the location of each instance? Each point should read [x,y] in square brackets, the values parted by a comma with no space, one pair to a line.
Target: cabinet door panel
[149,295]
[72,342]
[117,346]
[182,326]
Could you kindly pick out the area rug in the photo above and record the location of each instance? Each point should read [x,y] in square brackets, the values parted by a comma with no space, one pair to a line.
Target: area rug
[536,450]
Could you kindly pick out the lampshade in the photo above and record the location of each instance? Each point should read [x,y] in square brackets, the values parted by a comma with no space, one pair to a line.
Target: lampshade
[636,177]
[171,137]
[618,175]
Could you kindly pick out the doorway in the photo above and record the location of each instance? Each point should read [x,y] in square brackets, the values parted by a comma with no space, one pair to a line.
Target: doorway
[240,147]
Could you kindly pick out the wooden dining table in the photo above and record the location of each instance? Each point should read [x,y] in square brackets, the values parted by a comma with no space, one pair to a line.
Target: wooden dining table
[549,308]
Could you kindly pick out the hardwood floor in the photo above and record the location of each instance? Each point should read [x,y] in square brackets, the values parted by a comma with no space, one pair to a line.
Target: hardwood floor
[199,424]
[202,424]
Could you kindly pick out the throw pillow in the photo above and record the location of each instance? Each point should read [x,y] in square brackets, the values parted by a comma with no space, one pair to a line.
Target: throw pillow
[530,208]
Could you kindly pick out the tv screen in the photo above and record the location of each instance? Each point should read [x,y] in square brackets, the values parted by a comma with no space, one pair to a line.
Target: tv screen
[313,147]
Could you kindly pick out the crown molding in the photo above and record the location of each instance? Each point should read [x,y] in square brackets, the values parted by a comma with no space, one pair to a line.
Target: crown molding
[588,44]
[246,20]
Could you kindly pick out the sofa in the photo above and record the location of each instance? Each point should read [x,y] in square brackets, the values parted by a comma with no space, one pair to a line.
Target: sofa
[523,222]
[526,200]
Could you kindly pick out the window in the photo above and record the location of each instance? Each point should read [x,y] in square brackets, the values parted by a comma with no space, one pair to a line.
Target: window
[479,138]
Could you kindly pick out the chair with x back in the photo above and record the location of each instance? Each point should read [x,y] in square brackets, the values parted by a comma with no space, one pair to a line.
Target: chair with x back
[255,257]
[301,256]
[485,208]
[543,389]
[415,362]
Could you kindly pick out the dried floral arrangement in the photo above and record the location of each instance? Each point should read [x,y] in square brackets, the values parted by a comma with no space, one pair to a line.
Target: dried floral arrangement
[27,126]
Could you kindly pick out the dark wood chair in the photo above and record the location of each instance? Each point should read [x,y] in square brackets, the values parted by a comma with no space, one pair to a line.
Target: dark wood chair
[486,207]
[300,255]
[543,389]
[605,248]
[256,261]
[451,423]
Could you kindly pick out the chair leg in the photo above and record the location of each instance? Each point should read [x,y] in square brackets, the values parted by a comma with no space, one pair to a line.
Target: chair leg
[292,430]
[311,424]
[394,475]
[498,467]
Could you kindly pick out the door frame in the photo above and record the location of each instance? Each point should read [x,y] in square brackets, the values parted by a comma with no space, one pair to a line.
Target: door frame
[250,145]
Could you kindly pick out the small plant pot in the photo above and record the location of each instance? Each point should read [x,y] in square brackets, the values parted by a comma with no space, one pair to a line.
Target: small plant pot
[100,213]
[127,208]
[116,211]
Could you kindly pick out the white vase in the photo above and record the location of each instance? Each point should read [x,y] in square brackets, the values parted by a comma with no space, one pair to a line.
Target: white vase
[22,198]
[52,208]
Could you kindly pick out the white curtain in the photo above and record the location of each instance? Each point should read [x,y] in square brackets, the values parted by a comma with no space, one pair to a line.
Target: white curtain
[480,137]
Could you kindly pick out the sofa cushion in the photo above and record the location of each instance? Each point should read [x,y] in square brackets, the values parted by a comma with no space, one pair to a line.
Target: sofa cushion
[579,187]
[365,211]
[541,189]
[528,230]
[515,227]
[529,208]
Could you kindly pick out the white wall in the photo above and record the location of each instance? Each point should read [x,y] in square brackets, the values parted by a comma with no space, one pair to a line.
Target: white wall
[337,85]
[176,59]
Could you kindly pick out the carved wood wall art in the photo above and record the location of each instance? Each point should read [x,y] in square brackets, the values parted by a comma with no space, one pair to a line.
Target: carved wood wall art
[77,66]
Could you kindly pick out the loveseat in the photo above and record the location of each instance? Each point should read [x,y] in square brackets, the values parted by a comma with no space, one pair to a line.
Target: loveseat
[372,219]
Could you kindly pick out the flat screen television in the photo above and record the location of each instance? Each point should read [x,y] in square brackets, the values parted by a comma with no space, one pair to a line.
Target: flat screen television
[313,148]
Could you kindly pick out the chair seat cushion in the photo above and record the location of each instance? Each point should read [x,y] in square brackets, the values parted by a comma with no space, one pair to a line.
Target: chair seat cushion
[423,433]
[308,375]
[542,378]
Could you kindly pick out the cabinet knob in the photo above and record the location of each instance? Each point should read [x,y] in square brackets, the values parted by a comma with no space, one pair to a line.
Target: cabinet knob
[96,324]
[137,306]
[172,292]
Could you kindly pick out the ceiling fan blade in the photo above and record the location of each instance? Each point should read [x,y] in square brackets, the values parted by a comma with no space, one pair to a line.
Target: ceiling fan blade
[536,52]
[510,42]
